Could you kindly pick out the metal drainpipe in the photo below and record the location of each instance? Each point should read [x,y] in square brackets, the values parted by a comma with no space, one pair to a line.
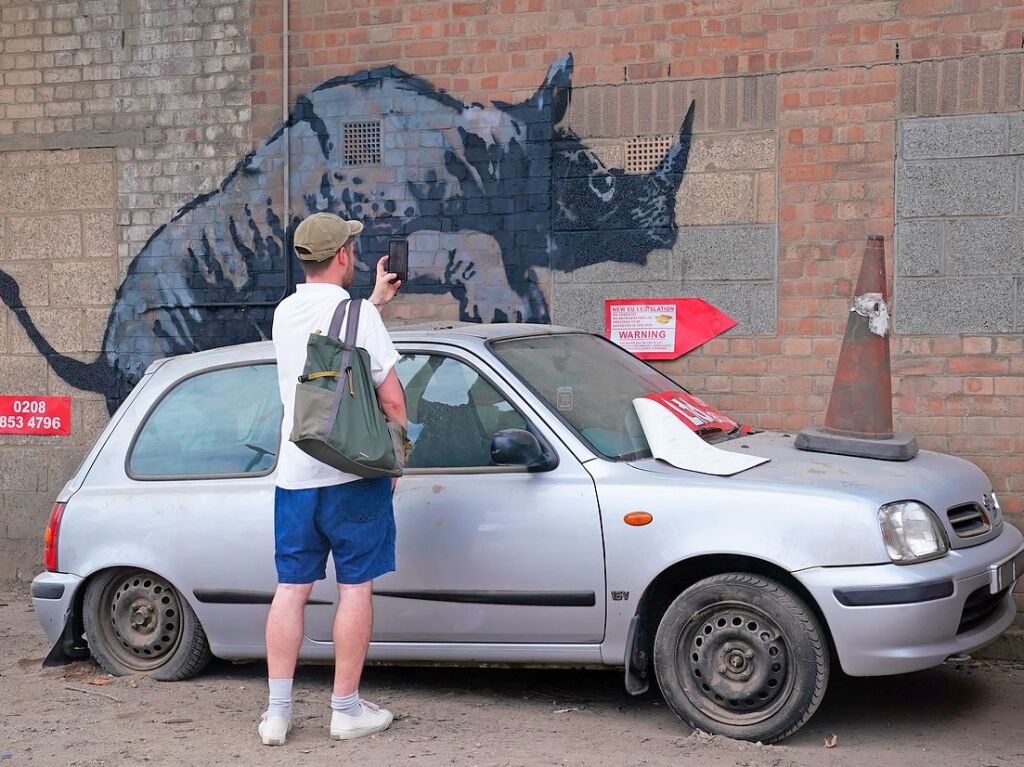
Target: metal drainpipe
[287,134]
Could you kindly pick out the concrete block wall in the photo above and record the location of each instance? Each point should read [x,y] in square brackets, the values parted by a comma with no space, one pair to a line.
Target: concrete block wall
[58,242]
[959,225]
[113,114]
[164,82]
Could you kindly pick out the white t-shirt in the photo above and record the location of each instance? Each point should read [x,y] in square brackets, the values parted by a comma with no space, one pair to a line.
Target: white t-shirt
[309,309]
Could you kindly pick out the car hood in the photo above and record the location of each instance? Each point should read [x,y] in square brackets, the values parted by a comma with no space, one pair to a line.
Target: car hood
[936,479]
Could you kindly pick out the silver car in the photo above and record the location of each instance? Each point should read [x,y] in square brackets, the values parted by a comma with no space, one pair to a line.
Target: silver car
[534,527]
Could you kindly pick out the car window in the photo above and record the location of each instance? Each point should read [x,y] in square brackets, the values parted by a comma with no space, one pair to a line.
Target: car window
[589,382]
[453,412]
[223,422]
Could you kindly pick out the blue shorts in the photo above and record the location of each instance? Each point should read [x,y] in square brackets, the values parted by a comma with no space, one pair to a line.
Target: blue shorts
[355,521]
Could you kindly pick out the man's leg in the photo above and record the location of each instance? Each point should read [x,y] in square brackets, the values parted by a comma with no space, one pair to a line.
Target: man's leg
[285,628]
[300,556]
[362,532]
[284,637]
[353,624]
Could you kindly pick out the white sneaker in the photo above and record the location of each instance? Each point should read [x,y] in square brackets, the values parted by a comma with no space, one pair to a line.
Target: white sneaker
[373,720]
[273,730]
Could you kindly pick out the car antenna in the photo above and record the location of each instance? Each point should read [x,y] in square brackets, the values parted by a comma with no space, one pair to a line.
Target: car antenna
[255,324]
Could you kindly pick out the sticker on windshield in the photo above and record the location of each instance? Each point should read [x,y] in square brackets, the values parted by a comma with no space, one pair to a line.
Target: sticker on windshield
[697,414]
[563,398]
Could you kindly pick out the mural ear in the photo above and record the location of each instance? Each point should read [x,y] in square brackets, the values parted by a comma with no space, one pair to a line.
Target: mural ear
[681,152]
[559,82]
[554,92]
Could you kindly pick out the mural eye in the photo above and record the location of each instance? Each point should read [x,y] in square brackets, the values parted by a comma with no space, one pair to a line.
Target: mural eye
[603,186]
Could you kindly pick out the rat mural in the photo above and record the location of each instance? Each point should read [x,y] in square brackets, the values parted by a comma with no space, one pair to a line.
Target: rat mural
[491,198]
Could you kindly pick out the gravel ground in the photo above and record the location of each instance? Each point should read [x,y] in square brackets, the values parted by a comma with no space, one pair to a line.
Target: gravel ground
[959,714]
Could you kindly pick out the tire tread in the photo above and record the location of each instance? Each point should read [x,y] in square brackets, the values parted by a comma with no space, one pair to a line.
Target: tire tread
[798,610]
[194,647]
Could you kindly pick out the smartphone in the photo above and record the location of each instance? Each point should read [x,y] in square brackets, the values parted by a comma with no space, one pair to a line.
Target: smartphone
[398,259]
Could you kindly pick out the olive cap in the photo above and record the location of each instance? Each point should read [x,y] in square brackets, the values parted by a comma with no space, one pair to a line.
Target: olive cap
[321,235]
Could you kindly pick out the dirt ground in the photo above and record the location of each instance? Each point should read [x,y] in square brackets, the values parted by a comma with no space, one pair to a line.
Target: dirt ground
[959,714]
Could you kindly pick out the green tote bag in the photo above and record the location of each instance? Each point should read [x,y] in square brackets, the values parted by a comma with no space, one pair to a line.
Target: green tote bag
[338,418]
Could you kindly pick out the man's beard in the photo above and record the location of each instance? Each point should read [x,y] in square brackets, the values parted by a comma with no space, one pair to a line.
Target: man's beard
[350,276]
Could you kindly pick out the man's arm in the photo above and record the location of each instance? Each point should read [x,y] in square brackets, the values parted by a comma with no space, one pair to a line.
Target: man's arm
[386,286]
[392,399]
[392,402]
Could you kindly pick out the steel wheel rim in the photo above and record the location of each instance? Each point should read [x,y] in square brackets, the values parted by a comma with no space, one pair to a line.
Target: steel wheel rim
[141,620]
[734,663]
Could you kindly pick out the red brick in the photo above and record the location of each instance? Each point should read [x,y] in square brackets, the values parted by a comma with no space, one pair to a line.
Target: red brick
[979,365]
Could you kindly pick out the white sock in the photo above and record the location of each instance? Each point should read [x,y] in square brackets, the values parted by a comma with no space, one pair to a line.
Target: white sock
[280,698]
[347,704]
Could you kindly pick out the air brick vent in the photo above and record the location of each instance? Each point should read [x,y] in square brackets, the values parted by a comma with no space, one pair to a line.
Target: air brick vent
[644,153]
[361,143]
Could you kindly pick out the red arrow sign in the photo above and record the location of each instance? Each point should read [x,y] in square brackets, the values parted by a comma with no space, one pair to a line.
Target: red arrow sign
[663,328]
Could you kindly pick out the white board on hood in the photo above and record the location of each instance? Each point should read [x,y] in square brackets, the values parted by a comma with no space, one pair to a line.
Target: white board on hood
[675,443]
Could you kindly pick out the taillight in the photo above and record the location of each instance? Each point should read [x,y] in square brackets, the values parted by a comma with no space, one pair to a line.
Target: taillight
[50,538]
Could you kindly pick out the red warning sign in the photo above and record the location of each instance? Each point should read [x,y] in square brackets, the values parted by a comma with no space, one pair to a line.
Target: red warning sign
[662,328]
[45,416]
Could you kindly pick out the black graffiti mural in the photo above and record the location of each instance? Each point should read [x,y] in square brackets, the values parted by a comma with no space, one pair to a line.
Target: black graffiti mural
[491,198]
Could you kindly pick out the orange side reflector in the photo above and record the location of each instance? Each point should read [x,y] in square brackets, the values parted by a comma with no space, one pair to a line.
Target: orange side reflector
[638,518]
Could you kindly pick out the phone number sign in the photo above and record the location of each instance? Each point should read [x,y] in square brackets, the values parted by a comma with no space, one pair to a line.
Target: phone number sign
[43,416]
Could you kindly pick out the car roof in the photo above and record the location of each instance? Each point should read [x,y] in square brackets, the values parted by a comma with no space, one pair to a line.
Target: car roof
[457,333]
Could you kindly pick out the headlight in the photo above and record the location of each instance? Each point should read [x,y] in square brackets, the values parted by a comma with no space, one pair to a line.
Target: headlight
[912,532]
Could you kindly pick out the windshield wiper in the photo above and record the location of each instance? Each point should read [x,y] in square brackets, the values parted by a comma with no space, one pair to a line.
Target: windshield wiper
[720,434]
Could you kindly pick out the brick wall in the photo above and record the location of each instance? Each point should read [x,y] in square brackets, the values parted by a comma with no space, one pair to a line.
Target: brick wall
[817,122]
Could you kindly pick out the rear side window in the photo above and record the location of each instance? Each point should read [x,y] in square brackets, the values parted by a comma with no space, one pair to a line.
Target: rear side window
[222,423]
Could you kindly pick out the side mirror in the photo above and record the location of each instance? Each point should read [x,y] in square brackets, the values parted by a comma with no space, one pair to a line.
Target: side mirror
[518,447]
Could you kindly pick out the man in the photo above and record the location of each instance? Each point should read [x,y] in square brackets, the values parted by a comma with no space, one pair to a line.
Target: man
[318,509]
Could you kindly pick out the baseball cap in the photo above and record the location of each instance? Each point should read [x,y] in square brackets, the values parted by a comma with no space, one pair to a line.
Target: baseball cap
[319,236]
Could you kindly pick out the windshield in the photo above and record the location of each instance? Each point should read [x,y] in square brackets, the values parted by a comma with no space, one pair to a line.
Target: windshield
[591,383]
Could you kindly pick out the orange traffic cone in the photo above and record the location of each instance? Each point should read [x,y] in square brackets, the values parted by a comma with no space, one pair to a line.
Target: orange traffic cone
[859,416]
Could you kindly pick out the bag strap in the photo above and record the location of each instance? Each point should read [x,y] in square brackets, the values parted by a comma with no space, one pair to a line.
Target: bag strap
[352,326]
[351,309]
[339,314]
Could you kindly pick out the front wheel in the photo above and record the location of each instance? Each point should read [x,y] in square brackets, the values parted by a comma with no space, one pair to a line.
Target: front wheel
[740,655]
[137,623]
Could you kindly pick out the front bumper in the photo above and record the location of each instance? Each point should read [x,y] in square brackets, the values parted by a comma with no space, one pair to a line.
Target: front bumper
[948,606]
[53,596]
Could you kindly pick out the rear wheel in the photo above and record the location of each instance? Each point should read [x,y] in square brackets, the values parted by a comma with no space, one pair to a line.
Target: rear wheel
[137,623]
[740,655]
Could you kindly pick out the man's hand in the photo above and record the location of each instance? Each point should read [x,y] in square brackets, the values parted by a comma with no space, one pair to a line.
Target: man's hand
[386,286]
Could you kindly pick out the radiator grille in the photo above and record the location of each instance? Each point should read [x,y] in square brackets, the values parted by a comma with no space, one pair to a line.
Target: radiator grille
[979,607]
[968,520]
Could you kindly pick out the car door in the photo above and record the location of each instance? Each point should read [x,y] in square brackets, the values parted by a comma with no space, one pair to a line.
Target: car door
[485,553]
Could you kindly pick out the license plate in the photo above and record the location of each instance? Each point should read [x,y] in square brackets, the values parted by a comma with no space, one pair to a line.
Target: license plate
[1003,574]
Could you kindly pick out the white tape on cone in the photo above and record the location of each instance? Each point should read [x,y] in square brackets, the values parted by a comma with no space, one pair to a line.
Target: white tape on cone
[872,306]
